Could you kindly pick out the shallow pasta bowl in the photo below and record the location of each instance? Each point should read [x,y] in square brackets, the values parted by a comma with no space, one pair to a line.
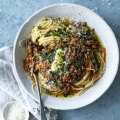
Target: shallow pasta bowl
[80,13]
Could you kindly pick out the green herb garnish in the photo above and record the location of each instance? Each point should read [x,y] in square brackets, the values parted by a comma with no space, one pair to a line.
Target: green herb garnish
[48,34]
[48,56]
[65,94]
[39,27]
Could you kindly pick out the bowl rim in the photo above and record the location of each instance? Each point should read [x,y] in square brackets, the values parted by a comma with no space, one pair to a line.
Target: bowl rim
[68,4]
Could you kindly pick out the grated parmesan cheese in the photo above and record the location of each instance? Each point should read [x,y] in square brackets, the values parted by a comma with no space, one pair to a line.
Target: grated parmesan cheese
[16,112]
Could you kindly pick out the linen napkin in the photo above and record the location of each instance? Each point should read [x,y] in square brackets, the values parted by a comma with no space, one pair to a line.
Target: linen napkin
[12,87]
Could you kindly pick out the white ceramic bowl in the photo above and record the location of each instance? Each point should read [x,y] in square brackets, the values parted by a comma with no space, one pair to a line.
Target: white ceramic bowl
[80,13]
[8,107]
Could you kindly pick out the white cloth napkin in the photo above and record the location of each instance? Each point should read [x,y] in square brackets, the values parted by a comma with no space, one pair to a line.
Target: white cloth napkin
[11,88]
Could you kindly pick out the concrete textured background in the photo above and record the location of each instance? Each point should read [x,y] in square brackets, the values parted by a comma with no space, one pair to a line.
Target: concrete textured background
[14,12]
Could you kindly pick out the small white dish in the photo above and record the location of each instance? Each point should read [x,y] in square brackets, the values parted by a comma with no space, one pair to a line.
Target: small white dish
[79,13]
[12,104]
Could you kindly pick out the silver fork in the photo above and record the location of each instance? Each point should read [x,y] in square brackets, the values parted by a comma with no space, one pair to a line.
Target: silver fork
[42,112]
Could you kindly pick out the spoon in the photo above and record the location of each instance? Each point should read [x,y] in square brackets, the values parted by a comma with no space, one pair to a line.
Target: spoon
[42,112]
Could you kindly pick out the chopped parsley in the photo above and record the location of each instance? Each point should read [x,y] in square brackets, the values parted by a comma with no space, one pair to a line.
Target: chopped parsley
[48,34]
[39,27]
[48,56]
[65,94]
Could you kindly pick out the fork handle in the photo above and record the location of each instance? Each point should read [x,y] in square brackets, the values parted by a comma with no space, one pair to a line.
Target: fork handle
[41,106]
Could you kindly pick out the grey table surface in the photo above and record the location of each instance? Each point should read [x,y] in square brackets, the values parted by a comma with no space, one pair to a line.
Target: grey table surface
[14,12]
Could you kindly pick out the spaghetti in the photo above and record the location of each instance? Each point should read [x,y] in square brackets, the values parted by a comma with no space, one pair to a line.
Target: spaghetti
[67,55]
